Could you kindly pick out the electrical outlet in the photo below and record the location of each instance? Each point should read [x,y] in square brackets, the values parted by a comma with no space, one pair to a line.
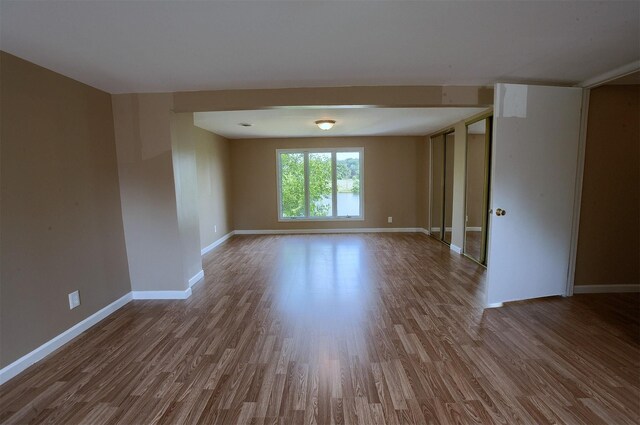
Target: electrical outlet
[389,219]
[215,228]
[74,300]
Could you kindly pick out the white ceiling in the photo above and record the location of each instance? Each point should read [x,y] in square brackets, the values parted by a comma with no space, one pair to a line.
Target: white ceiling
[142,46]
[290,122]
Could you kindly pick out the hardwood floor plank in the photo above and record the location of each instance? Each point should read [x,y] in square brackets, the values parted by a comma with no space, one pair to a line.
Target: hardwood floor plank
[342,329]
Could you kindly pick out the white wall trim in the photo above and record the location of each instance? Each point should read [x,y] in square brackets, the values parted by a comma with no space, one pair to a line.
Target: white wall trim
[53,344]
[468,229]
[348,230]
[161,295]
[455,248]
[494,305]
[627,69]
[604,289]
[216,243]
[577,197]
[65,337]
[57,342]
[446,229]
[196,278]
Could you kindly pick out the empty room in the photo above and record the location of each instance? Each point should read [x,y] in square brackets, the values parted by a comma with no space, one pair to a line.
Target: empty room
[319,212]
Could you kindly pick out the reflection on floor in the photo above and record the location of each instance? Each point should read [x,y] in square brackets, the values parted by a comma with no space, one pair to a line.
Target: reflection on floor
[353,329]
[473,244]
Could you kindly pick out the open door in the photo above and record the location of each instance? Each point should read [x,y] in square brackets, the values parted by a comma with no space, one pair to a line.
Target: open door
[534,165]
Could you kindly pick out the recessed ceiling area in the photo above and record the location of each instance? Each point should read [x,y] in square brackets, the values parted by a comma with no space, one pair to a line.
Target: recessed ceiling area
[300,122]
[179,45]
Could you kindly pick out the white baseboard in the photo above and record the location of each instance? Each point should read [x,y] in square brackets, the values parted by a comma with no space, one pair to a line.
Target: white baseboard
[455,248]
[349,230]
[196,278]
[603,289]
[446,229]
[57,342]
[161,295]
[216,243]
[494,305]
[468,229]
[52,345]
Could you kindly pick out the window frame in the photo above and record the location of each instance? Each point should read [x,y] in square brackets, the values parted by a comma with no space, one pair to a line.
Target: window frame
[334,182]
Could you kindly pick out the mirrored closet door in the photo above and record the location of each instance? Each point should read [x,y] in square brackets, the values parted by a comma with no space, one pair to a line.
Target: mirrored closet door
[437,185]
[478,159]
[442,154]
[449,145]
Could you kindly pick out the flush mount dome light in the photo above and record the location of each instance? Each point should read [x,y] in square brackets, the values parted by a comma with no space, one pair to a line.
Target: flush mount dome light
[325,124]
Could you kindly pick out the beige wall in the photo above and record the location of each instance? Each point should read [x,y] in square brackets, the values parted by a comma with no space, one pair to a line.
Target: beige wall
[61,221]
[389,181]
[213,159]
[147,191]
[183,146]
[609,234]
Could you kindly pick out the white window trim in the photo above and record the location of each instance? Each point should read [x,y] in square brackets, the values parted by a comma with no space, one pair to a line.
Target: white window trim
[334,203]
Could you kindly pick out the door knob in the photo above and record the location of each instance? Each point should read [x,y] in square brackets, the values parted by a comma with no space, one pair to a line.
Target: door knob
[500,211]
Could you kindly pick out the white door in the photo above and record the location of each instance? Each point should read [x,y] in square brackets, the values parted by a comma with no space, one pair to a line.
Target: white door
[533,177]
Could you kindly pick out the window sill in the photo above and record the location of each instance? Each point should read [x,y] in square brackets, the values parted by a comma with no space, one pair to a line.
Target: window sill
[323,219]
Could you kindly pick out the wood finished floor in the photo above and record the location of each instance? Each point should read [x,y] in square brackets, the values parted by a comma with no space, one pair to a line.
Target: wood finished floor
[345,329]
[473,244]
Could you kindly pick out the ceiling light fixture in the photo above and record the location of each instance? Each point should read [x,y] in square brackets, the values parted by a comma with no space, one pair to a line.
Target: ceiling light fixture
[325,124]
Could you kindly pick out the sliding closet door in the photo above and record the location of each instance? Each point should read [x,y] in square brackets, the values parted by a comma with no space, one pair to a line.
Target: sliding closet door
[437,185]
[477,187]
[535,153]
[449,147]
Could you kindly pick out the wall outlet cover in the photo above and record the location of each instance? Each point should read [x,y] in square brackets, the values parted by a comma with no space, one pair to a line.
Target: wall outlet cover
[389,219]
[74,300]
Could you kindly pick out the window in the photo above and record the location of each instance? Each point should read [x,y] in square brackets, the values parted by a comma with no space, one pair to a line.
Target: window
[320,184]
